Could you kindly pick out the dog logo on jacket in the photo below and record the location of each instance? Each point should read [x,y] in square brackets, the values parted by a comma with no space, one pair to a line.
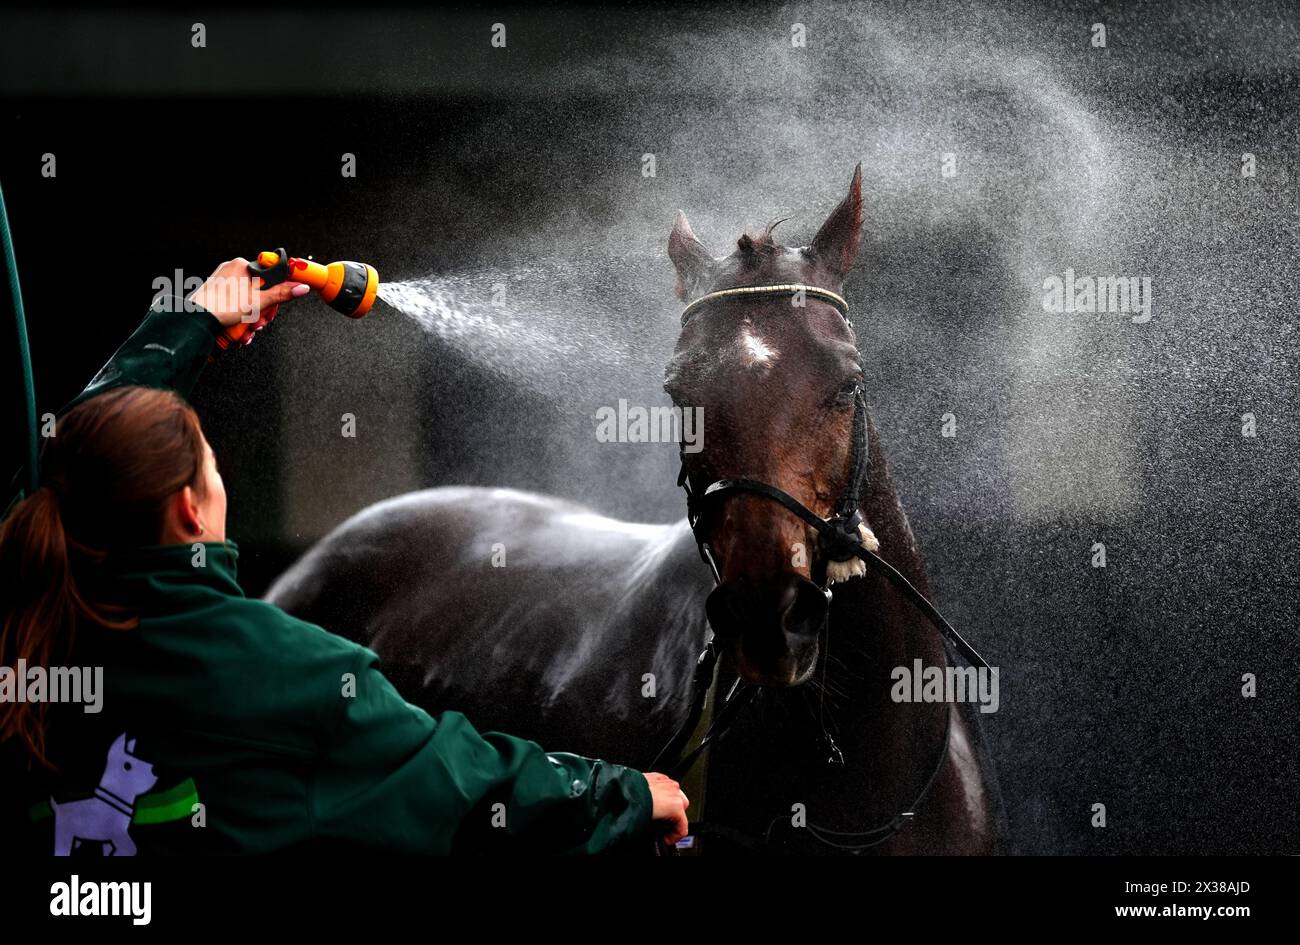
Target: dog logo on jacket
[106,817]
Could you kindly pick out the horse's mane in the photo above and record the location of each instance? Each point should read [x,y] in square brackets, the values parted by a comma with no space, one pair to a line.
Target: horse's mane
[760,244]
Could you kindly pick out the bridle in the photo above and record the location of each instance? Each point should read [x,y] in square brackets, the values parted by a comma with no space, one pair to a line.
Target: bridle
[839,539]
[837,535]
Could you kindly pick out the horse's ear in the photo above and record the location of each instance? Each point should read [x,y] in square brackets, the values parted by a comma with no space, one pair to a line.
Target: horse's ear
[836,243]
[688,254]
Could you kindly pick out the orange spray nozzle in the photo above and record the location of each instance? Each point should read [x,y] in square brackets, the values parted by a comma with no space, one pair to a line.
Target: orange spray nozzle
[347,287]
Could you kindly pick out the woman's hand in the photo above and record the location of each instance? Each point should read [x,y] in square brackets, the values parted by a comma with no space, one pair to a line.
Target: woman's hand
[231,296]
[670,805]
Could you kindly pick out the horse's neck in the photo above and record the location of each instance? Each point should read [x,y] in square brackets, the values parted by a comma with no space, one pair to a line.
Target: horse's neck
[874,630]
[899,628]
[884,514]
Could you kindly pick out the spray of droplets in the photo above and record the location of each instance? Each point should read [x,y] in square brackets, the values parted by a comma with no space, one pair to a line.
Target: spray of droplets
[543,326]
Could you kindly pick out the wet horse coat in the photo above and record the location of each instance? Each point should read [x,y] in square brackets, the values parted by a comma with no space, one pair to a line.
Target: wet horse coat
[530,614]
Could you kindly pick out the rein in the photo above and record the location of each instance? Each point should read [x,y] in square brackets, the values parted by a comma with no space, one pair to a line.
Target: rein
[839,539]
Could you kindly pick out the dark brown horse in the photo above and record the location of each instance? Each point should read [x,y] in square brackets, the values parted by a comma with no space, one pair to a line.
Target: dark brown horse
[542,618]
[778,382]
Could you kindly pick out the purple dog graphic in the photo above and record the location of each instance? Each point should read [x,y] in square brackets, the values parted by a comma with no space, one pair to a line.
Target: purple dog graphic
[105,817]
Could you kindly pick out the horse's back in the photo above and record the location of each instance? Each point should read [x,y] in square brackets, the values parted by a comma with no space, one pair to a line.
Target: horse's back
[531,614]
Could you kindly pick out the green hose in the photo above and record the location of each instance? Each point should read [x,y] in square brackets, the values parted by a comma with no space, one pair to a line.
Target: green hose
[24,352]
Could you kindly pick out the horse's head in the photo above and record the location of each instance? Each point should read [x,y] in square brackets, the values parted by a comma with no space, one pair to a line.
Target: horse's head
[776,377]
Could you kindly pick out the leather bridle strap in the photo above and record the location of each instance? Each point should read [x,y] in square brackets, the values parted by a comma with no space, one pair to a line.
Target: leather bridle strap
[740,695]
[878,564]
[701,682]
[797,289]
[864,839]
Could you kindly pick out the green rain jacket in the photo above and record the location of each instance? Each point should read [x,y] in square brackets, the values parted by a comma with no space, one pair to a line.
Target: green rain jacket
[223,725]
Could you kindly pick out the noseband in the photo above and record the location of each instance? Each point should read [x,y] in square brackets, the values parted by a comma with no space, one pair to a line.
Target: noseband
[839,539]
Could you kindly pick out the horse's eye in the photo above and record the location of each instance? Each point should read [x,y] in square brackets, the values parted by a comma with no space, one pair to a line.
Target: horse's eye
[844,396]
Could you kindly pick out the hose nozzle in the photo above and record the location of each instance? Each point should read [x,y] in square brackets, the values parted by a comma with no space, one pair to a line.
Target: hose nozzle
[347,287]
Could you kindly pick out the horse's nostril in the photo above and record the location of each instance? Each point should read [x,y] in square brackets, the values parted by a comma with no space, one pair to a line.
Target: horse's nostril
[793,607]
[806,611]
[788,598]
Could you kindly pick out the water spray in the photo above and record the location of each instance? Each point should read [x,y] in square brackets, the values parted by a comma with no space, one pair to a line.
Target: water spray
[347,287]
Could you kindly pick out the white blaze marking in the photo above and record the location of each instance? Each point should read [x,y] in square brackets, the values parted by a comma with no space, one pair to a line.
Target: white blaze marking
[756,350]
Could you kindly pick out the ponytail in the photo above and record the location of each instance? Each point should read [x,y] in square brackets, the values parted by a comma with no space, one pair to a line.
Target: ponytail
[109,471]
[43,605]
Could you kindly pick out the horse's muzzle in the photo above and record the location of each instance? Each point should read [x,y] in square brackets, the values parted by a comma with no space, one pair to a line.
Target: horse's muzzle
[772,624]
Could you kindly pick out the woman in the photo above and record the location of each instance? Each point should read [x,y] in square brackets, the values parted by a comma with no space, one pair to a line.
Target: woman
[146,704]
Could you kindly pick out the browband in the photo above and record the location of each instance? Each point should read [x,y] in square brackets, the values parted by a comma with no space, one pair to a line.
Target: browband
[790,288]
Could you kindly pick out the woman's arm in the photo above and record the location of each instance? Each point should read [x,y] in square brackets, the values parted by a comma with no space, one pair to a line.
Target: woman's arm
[395,777]
[177,337]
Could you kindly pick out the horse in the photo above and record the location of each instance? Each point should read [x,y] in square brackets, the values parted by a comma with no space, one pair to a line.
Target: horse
[540,617]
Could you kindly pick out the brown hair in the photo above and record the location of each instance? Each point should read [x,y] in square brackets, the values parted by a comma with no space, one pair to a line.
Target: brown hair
[107,474]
